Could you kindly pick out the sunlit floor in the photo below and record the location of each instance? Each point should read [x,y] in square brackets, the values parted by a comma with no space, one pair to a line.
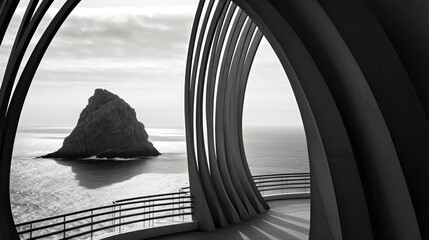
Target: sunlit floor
[287,220]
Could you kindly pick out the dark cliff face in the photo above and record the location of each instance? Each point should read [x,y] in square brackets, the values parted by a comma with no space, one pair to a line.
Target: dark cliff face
[107,128]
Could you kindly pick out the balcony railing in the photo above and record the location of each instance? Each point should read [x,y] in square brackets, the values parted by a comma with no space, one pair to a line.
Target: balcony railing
[283,183]
[143,212]
[121,216]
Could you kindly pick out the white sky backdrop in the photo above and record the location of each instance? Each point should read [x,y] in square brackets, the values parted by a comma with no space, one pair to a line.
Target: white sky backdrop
[137,49]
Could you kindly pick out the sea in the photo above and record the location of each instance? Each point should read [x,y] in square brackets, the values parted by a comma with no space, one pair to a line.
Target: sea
[45,187]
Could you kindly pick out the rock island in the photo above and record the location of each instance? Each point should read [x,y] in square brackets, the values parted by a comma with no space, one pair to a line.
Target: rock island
[107,128]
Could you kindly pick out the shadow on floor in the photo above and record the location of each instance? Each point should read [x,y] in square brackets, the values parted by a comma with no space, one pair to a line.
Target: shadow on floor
[287,220]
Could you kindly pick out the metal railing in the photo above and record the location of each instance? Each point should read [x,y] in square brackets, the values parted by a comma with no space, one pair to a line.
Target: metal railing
[121,216]
[143,212]
[283,183]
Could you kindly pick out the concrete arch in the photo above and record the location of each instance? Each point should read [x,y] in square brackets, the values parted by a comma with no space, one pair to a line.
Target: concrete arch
[224,64]
[12,105]
[368,153]
[353,127]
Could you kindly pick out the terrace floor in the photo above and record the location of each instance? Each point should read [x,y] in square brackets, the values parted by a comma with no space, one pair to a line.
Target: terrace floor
[286,220]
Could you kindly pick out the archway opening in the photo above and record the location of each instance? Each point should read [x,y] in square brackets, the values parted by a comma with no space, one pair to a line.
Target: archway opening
[128,50]
[273,131]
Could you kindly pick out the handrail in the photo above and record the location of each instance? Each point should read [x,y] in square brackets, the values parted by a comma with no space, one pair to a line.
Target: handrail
[279,174]
[125,223]
[282,177]
[291,182]
[282,188]
[282,180]
[287,184]
[106,220]
[100,214]
[154,200]
[148,196]
[96,208]
[145,208]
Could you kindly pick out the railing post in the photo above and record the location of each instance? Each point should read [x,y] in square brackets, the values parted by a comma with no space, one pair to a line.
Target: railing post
[31,228]
[64,227]
[281,187]
[287,186]
[114,220]
[153,214]
[92,226]
[309,182]
[305,184]
[182,205]
[173,206]
[120,219]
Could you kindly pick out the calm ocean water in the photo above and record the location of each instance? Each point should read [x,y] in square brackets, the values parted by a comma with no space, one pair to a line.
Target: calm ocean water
[46,187]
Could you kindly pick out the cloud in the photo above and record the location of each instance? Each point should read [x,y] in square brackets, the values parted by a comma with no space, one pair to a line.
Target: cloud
[122,34]
[139,53]
[112,42]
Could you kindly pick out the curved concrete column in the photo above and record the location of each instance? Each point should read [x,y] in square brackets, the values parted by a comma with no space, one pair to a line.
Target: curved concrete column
[229,210]
[32,5]
[25,33]
[374,130]
[202,211]
[10,118]
[243,77]
[231,110]
[7,11]
[387,191]
[406,55]
[197,83]
[224,167]
[224,120]
[224,53]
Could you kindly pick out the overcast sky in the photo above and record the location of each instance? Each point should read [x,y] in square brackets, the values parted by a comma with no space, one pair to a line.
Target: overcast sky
[136,49]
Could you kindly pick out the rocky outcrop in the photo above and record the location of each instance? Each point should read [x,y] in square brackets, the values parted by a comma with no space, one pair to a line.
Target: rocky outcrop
[107,128]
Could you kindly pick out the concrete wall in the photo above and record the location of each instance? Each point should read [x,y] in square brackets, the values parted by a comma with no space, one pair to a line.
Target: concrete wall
[357,71]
